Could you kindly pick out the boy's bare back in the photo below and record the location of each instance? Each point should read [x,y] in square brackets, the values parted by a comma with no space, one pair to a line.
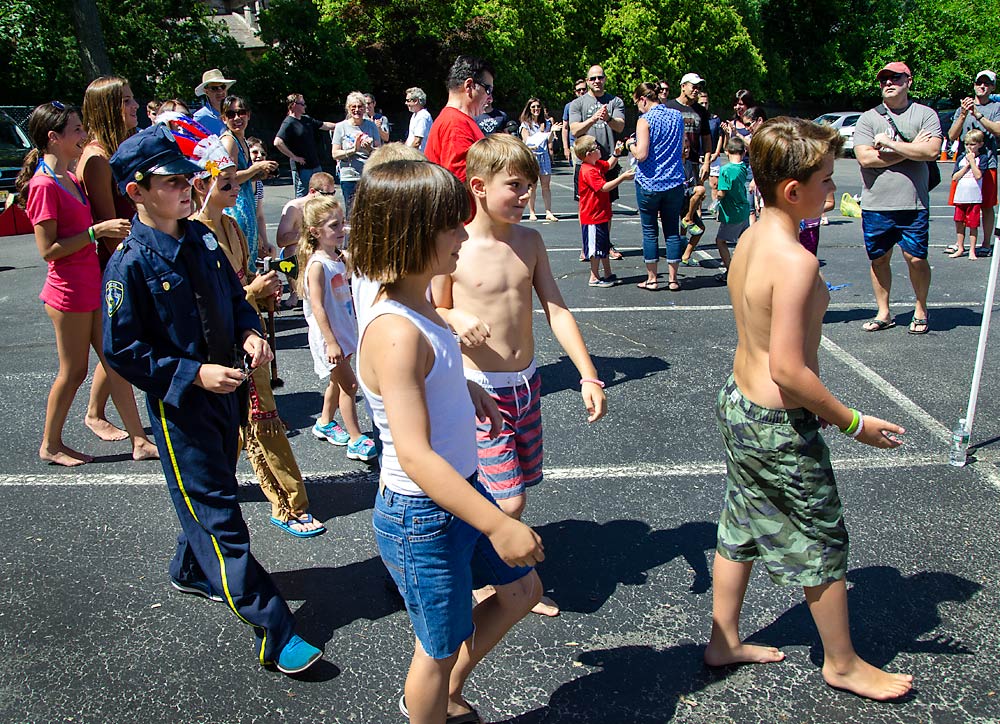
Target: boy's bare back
[493,281]
[771,268]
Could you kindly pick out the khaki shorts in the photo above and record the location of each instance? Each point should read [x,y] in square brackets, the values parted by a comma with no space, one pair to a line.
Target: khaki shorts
[782,505]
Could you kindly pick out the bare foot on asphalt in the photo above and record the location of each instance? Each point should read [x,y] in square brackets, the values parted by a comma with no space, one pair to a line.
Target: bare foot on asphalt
[63,455]
[104,429]
[546,607]
[869,681]
[721,655]
[145,450]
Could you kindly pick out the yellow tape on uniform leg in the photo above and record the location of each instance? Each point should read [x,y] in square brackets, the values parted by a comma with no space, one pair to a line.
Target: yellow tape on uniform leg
[190,507]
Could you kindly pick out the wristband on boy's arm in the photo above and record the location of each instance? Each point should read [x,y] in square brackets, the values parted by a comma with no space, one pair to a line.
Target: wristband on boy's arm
[857,422]
[93,236]
[592,381]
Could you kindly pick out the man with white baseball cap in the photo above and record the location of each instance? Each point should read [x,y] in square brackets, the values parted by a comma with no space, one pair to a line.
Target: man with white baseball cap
[696,118]
[981,113]
[215,87]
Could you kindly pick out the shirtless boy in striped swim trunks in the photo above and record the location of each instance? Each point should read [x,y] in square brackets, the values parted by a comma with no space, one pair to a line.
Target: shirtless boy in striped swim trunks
[487,302]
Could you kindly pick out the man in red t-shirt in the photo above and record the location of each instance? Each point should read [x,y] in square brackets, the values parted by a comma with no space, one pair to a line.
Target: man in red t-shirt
[470,85]
[595,207]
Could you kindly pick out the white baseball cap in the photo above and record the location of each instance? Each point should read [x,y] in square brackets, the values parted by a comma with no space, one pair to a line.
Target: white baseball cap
[989,74]
[692,78]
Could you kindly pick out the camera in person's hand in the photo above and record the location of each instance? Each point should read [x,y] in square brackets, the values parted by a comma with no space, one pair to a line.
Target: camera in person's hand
[289,267]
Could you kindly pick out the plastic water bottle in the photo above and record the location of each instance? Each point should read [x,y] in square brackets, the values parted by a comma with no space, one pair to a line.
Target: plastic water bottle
[959,445]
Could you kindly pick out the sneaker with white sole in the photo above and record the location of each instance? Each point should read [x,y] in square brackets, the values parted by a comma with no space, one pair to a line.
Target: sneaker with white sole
[332,433]
[198,588]
[362,449]
[297,656]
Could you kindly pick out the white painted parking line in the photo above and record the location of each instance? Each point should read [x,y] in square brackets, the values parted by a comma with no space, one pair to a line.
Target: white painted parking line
[724,307]
[635,470]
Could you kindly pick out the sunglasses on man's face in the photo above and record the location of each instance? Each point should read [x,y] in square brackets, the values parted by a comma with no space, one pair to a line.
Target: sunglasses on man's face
[488,87]
[895,79]
[580,91]
[984,81]
[237,112]
[215,88]
[664,89]
[596,77]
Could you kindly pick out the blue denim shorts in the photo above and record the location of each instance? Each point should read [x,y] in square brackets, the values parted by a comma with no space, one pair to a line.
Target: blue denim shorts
[883,229]
[436,561]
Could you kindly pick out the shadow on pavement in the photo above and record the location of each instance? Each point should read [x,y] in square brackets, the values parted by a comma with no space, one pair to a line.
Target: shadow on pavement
[336,597]
[586,561]
[941,319]
[562,375]
[634,684]
[890,613]
[349,493]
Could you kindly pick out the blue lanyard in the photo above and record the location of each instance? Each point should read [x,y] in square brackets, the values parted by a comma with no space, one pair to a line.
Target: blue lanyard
[45,167]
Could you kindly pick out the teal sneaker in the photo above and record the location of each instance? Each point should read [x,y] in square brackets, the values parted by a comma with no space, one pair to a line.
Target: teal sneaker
[332,433]
[362,449]
[297,656]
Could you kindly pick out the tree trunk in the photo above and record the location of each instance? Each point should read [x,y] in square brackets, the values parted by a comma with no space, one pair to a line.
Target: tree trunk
[90,36]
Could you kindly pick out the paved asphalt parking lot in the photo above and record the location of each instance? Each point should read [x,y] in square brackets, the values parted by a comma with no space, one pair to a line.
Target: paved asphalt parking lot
[90,631]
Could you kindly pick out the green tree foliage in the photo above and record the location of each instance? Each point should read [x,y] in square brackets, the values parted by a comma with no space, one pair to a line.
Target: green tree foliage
[787,51]
[650,39]
[309,53]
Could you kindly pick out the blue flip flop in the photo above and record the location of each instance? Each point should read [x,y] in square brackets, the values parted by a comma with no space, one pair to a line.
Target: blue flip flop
[304,518]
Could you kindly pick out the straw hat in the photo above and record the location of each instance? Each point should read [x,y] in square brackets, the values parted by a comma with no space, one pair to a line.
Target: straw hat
[212,76]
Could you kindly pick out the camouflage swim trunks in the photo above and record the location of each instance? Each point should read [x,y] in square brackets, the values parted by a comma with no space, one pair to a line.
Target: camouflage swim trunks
[782,504]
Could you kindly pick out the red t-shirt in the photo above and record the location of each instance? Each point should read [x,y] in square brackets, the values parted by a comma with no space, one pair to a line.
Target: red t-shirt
[595,205]
[451,135]
[73,283]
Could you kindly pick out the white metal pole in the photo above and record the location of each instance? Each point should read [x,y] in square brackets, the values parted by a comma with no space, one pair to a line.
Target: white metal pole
[984,333]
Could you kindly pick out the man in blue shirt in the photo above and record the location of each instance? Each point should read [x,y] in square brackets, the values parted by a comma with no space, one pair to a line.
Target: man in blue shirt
[215,87]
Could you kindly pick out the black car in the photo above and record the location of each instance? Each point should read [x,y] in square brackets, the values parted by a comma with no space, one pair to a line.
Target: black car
[14,145]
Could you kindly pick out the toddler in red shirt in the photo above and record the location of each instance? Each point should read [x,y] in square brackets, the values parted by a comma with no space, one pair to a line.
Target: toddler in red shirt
[595,207]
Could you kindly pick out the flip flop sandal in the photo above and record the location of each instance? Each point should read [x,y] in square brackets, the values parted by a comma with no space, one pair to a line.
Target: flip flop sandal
[950,249]
[649,286]
[674,286]
[919,322]
[469,717]
[877,325]
[304,519]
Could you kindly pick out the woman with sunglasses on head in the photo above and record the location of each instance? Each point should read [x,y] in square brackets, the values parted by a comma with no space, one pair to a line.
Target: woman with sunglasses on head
[537,132]
[110,115]
[66,236]
[236,114]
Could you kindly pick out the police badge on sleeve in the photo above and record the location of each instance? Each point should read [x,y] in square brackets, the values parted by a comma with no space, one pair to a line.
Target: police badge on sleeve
[114,295]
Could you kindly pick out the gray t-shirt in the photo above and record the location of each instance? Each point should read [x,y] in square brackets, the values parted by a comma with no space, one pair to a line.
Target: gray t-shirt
[585,106]
[992,112]
[902,186]
[345,136]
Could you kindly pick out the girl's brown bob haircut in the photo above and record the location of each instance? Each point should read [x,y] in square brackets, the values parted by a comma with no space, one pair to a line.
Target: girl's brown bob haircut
[790,148]
[399,209]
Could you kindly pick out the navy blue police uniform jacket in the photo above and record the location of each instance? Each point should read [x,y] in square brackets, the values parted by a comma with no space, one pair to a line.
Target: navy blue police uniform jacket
[152,330]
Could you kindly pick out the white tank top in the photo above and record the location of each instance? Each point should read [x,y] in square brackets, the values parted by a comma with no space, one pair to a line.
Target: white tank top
[449,407]
[338,304]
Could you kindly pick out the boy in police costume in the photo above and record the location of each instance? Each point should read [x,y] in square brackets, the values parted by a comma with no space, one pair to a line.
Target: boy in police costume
[177,325]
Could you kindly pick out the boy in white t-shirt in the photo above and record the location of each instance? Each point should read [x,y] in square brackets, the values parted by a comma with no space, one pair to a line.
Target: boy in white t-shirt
[968,198]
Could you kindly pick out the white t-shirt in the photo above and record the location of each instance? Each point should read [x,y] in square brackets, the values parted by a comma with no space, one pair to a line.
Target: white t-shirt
[339,307]
[420,127]
[968,189]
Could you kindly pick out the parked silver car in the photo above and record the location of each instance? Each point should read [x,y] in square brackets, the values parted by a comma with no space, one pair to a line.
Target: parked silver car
[844,122]
[14,145]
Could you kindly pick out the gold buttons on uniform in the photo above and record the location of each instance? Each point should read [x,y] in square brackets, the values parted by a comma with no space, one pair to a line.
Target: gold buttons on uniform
[218,265]
[166,286]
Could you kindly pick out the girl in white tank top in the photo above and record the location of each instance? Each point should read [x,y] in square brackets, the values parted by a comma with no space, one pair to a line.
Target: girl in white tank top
[333,330]
[406,227]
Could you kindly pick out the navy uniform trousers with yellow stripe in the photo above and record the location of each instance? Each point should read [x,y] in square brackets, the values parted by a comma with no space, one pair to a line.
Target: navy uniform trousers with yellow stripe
[153,337]
[198,444]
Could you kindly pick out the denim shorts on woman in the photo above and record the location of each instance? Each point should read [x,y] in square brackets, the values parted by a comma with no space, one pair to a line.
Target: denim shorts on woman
[782,505]
[436,561]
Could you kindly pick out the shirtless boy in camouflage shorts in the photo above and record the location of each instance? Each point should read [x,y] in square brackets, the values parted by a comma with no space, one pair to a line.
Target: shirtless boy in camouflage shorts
[782,505]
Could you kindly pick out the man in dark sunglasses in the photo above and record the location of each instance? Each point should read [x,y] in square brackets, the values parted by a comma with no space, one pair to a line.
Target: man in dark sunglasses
[296,139]
[214,87]
[981,113]
[470,90]
[697,128]
[602,115]
[893,144]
